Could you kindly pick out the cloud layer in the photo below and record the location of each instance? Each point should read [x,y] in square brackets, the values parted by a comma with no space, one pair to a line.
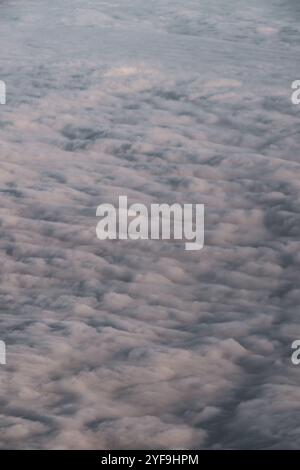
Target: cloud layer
[142,344]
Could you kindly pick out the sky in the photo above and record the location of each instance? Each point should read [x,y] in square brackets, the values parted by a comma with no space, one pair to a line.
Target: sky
[141,344]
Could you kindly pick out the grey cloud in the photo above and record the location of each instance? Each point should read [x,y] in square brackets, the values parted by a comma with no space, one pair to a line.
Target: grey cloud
[122,344]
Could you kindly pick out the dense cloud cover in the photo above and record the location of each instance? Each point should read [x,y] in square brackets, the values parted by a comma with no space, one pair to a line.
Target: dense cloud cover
[123,344]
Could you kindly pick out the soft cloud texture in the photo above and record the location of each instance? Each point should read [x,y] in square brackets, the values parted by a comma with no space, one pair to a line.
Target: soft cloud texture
[142,344]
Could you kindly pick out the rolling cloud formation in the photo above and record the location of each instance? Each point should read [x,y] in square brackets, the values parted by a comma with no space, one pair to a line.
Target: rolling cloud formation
[123,344]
